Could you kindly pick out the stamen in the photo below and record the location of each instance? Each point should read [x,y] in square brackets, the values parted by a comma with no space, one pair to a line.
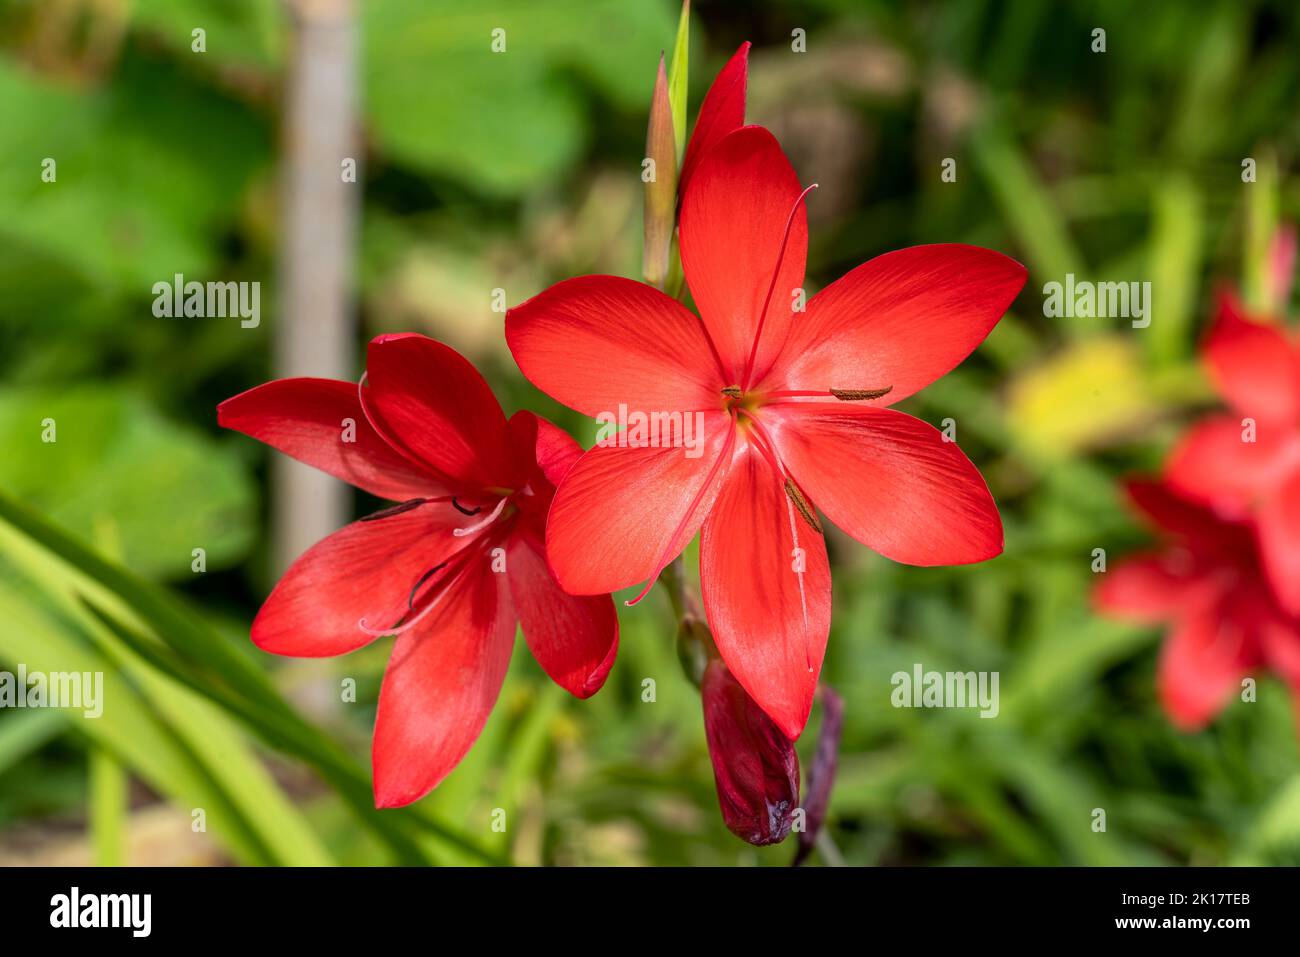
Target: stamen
[463,510]
[492,517]
[765,445]
[395,509]
[668,553]
[858,395]
[732,392]
[802,504]
[466,555]
[763,442]
[803,593]
[410,601]
[780,257]
[844,395]
[403,628]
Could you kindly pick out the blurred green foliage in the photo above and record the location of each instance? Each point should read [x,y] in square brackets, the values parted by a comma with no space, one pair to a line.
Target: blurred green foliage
[514,170]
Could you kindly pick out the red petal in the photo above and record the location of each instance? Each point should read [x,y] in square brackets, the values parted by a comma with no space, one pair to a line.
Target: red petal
[1254,365]
[1149,588]
[428,397]
[613,517]
[1280,640]
[890,481]
[544,453]
[596,342]
[364,570]
[544,446]
[1212,464]
[1278,528]
[722,111]
[440,686]
[899,321]
[574,638]
[733,221]
[1201,663]
[769,622]
[309,419]
[755,767]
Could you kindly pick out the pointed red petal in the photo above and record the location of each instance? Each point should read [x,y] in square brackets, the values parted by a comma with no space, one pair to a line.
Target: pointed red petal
[769,621]
[1149,588]
[1212,464]
[722,111]
[573,637]
[428,397]
[545,446]
[320,422]
[364,570]
[596,342]
[890,481]
[1254,365]
[899,321]
[1201,663]
[441,684]
[733,225]
[1278,527]
[614,514]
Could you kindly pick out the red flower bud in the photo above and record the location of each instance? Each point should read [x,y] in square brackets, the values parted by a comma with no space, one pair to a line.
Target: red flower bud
[754,765]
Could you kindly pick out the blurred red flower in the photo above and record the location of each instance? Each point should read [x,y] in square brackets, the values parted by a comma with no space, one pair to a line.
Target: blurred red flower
[466,542]
[1246,464]
[1204,581]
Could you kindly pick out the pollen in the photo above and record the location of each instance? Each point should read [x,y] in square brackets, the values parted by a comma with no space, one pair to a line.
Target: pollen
[860,395]
[803,506]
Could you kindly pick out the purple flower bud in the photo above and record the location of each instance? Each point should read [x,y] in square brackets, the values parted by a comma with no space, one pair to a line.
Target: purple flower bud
[754,765]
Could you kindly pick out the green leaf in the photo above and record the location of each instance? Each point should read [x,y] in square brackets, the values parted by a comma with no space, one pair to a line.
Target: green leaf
[182,644]
[441,100]
[119,470]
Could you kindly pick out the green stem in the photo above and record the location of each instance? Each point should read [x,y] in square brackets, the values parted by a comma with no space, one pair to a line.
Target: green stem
[108,809]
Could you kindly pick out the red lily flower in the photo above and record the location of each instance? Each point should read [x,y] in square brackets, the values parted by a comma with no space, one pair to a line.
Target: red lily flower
[450,570]
[722,112]
[1243,471]
[1205,582]
[755,766]
[793,410]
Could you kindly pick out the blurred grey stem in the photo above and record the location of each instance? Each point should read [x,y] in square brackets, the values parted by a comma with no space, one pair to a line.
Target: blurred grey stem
[313,332]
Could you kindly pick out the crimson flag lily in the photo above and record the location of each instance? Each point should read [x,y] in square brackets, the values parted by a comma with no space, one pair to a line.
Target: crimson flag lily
[1246,464]
[794,413]
[449,571]
[1204,582]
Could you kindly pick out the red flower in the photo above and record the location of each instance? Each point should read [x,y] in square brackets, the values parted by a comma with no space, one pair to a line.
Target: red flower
[1206,584]
[793,410]
[755,766]
[449,571]
[1244,469]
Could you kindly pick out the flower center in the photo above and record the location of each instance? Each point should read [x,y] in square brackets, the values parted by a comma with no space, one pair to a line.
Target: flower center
[433,584]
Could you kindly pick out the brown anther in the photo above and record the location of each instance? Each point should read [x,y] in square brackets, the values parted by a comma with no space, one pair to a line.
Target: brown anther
[803,505]
[394,510]
[732,392]
[860,395]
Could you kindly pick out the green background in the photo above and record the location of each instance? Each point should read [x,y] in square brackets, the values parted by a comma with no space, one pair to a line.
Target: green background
[483,171]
